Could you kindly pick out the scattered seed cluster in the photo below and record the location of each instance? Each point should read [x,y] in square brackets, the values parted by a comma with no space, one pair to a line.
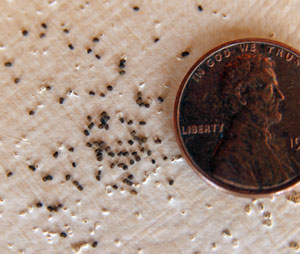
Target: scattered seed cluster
[122,155]
[90,50]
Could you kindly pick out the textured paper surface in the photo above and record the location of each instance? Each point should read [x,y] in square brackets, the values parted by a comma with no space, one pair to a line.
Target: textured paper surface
[60,63]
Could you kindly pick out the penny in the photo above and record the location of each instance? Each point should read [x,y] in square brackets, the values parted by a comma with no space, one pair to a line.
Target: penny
[237,117]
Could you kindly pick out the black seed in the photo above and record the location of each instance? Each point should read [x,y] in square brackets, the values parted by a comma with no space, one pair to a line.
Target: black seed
[122,63]
[139,100]
[31,112]
[61,100]
[25,32]
[80,188]
[17,80]
[91,125]
[95,39]
[143,139]
[49,178]
[165,158]
[66,31]
[122,72]
[128,182]
[75,183]
[136,8]
[42,35]
[96,143]
[153,161]
[109,88]
[125,167]
[185,53]
[89,118]
[157,140]
[130,122]
[130,177]
[48,88]
[134,153]
[33,168]
[59,206]
[112,165]
[98,151]
[63,235]
[133,192]
[171,181]
[125,153]
[160,99]
[200,8]
[108,149]
[156,39]
[86,132]
[71,46]
[147,105]
[104,116]
[50,208]
[91,93]
[39,205]
[98,57]
[137,158]
[88,144]
[149,152]
[99,172]
[143,123]
[44,25]
[122,120]
[111,154]
[8,64]
[98,177]
[102,95]
[107,127]
[115,186]
[74,165]
[94,244]
[55,154]
[120,142]
[67,177]
[89,50]
[131,162]
[130,142]
[71,149]
[9,174]
[103,121]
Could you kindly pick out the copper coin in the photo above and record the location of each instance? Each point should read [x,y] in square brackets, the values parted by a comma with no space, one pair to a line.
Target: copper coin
[237,116]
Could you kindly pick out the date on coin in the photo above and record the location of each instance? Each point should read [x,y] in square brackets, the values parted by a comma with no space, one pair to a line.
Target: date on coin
[237,116]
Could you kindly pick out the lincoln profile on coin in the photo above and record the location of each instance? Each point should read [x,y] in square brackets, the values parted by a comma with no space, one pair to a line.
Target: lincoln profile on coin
[251,97]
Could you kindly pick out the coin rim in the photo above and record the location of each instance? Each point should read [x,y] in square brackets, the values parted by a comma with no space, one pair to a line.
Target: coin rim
[227,188]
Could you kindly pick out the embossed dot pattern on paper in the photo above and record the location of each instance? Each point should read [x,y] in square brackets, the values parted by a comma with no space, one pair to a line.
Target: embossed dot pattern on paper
[89,161]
